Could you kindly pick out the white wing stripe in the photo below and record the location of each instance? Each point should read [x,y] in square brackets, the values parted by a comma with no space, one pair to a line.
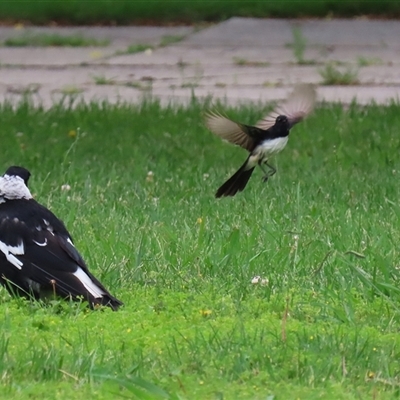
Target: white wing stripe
[11,251]
[90,286]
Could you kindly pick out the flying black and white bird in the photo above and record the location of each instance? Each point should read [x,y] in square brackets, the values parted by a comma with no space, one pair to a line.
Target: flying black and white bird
[37,254]
[268,137]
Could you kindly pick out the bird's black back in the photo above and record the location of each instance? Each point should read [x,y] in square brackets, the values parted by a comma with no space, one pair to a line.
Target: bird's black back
[32,214]
[281,128]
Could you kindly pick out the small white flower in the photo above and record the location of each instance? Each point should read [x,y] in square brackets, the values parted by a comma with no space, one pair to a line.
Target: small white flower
[149,177]
[295,244]
[264,281]
[19,134]
[65,188]
[206,176]
[148,52]
[261,281]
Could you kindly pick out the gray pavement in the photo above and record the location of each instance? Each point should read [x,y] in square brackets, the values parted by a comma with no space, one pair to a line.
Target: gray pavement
[239,60]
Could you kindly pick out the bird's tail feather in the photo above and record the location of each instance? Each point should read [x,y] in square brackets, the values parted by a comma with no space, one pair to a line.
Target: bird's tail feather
[236,183]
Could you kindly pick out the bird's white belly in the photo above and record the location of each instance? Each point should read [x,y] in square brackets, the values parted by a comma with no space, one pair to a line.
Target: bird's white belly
[267,149]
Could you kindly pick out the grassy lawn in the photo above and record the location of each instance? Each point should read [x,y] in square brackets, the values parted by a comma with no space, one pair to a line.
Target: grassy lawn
[163,11]
[324,232]
[43,40]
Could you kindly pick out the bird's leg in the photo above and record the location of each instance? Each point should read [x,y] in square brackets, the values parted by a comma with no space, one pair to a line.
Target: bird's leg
[269,173]
[266,173]
[272,170]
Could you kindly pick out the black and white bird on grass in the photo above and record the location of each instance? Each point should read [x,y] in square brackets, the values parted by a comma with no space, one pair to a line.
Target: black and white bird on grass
[37,254]
[268,137]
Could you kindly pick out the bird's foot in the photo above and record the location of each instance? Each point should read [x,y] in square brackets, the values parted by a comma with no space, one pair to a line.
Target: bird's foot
[265,178]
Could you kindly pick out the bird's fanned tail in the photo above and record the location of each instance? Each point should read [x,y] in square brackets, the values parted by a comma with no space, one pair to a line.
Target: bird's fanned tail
[236,183]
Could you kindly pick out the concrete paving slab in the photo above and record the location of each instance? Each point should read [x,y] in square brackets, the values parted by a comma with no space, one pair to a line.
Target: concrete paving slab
[238,60]
[245,32]
[272,32]
[355,32]
[53,56]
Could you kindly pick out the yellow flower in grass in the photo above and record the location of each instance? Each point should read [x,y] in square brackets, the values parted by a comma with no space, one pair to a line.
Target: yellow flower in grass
[205,313]
[72,133]
[371,375]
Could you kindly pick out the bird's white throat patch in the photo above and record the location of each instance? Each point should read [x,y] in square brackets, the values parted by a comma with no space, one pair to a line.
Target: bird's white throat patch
[273,146]
[13,188]
[267,149]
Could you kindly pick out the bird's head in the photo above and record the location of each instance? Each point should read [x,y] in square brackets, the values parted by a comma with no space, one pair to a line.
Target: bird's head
[282,120]
[14,184]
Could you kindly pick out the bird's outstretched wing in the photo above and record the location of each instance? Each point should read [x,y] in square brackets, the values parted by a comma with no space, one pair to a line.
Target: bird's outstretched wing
[229,130]
[298,105]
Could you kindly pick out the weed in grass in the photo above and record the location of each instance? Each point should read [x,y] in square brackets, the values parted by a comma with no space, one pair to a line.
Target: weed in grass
[45,40]
[31,88]
[145,86]
[332,75]
[299,45]
[323,234]
[134,84]
[103,80]
[243,62]
[170,39]
[194,79]
[239,61]
[191,85]
[277,83]
[136,48]
[368,61]
[70,90]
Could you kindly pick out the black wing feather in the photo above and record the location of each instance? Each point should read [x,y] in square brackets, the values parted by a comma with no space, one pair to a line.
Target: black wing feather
[50,259]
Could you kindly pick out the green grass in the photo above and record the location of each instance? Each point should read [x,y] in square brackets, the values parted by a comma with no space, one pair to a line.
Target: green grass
[54,39]
[324,231]
[163,11]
